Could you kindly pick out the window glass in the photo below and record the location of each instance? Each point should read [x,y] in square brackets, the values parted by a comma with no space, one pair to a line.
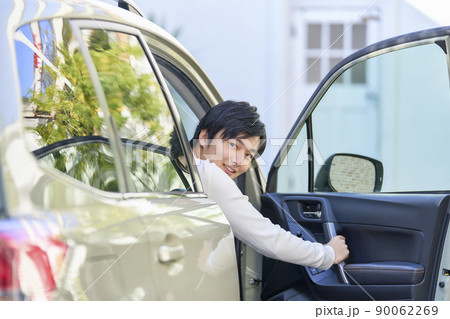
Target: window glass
[314,36]
[314,70]
[293,172]
[358,73]
[188,118]
[137,104]
[188,97]
[399,117]
[99,172]
[333,63]
[336,36]
[60,105]
[359,34]
[328,43]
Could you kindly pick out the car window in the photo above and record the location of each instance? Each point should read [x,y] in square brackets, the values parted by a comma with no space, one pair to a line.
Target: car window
[59,104]
[138,108]
[187,116]
[189,101]
[293,171]
[67,128]
[396,119]
[95,167]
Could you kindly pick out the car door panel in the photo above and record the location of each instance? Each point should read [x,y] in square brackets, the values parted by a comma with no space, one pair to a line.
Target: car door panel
[136,225]
[190,250]
[394,243]
[380,175]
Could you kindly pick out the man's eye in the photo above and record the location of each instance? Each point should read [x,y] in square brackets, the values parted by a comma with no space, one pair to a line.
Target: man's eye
[250,156]
[233,145]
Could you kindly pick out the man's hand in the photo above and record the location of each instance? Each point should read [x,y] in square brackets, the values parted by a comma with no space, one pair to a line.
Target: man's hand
[340,248]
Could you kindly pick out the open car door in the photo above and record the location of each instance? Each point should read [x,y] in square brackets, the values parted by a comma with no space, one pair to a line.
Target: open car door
[368,159]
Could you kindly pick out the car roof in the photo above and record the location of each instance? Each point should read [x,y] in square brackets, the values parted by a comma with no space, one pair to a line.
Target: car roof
[19,12]
[24,11]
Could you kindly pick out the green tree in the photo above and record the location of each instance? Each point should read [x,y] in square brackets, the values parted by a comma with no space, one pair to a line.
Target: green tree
[67,107]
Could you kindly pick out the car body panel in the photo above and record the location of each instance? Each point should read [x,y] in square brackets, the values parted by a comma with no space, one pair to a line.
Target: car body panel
[121,245]
[110,229]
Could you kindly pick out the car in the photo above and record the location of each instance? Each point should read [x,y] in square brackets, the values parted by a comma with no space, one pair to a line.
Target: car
[93,206]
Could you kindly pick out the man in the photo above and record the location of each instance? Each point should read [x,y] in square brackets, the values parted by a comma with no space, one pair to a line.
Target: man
[227,139]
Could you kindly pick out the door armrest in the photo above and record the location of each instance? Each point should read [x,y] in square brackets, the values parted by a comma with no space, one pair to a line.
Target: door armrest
[384,273]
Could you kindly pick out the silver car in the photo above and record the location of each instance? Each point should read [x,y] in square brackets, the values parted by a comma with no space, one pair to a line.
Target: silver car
[93,207]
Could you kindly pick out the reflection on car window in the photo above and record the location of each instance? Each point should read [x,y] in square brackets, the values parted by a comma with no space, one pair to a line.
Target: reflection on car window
[95,167]
[137,105]
[399,116]
[67,128]
[403,109]
[59,102]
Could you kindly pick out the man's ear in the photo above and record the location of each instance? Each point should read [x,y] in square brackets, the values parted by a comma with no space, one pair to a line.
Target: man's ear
[203,138]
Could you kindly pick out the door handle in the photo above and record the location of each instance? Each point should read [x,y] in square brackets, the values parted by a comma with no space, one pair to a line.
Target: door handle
[315,215]
[330,232]
[167,254]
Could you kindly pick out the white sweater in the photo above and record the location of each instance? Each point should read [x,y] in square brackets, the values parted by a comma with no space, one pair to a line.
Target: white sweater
[252,228]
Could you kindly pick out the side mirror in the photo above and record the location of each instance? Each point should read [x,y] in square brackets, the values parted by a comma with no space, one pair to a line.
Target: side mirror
[350,173]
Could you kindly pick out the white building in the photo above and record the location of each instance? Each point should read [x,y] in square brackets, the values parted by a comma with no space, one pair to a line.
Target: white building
[273,53]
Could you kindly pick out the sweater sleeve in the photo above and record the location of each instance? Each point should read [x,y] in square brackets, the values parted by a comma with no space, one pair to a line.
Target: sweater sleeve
[255,230]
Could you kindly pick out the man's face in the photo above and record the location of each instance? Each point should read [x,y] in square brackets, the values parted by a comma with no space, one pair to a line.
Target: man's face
[233,156]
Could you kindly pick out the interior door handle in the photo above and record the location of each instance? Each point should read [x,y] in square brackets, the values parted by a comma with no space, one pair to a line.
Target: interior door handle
[167,254]
[315,215]
[330,232]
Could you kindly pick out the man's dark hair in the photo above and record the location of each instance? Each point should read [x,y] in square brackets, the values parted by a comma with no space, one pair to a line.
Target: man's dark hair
[235,119]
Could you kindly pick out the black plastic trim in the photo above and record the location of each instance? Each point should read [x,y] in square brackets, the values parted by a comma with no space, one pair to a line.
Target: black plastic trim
[80,140]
